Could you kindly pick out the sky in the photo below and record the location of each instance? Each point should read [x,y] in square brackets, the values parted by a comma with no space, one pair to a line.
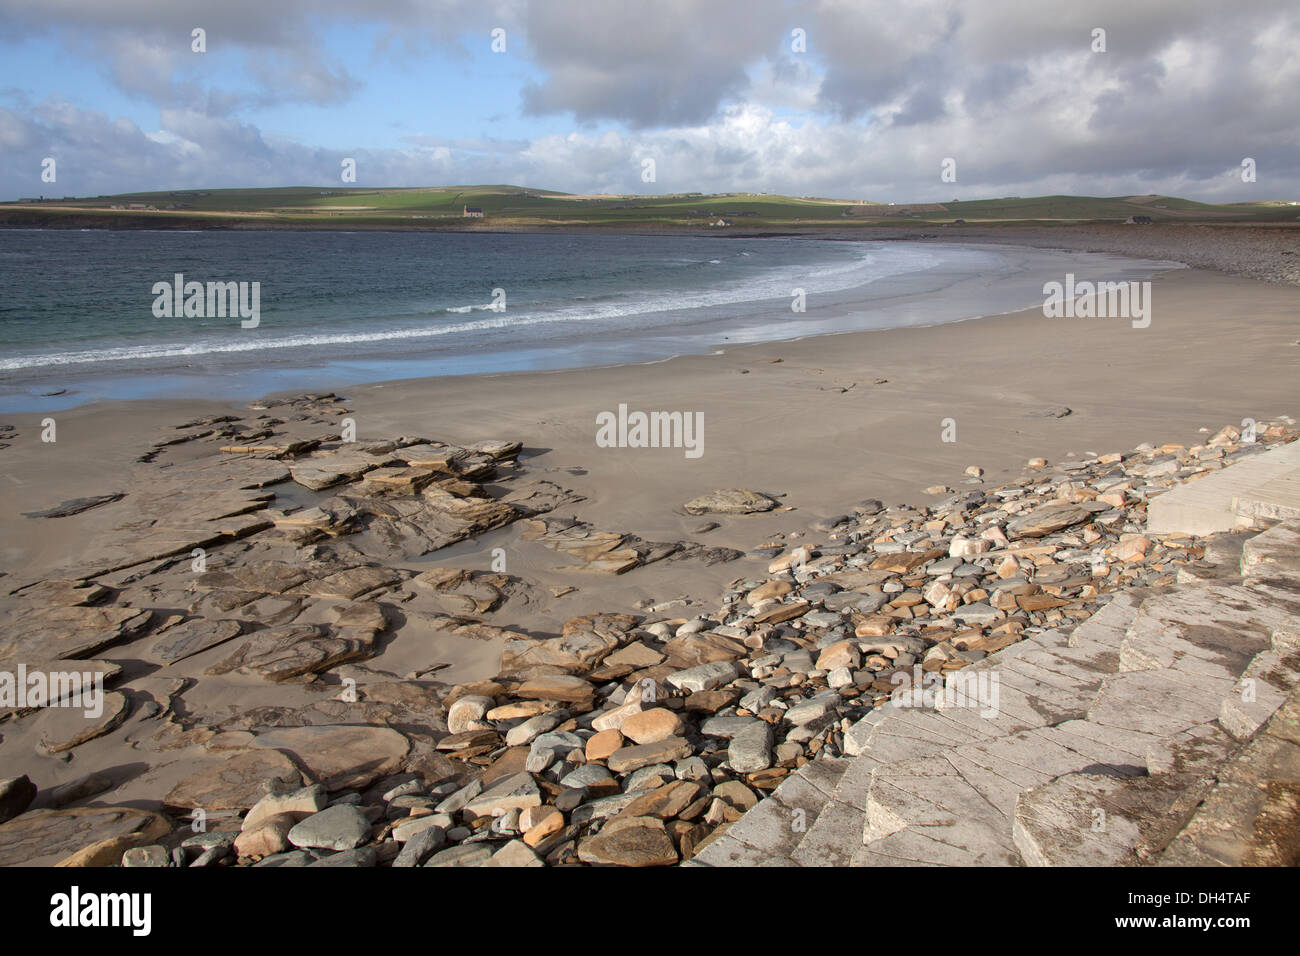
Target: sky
[849,99]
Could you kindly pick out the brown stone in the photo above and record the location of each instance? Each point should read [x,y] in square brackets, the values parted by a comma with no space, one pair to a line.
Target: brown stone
[651,726]
[630,841]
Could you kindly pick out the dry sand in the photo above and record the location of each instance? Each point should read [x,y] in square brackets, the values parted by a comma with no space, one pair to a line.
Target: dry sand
[807,420]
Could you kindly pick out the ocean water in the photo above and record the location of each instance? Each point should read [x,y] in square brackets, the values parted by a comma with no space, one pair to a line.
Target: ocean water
[78,316]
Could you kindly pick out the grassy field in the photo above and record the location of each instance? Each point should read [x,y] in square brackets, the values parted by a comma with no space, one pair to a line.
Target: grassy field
[507,207]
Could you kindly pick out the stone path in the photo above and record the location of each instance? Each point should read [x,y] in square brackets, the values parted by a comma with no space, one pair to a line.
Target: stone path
[1134,738]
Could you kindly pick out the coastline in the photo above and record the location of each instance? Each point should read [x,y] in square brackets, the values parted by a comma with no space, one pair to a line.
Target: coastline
[819,423]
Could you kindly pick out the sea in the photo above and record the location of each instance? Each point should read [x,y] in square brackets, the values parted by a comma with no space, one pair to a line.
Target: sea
[89,315]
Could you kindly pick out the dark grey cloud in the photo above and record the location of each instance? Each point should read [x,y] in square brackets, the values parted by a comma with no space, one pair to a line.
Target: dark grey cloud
[710,89]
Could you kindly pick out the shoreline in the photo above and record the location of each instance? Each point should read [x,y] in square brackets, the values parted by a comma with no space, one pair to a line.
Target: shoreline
[819,424]
[935,295]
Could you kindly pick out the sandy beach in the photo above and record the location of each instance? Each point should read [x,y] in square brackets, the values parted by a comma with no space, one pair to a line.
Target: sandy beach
[818,424]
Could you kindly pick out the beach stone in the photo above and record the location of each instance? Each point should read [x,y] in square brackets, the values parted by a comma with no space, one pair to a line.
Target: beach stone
[340,827]
[516,853]
[651,726]
[270,835]
[16,795]
[839,654]
[590,776]
[630,841]
[235,783]
[417,849]
[467,714]
[627,759]
[192,637]
[86,836]
[291,858]
[559,687]
[751,749]
[515,792]
[467,854]
[539,823]
[704,676]
[62,728]
[730,501]
[521,735]
[602,744]
[550,747]
[340,757]
[1045,520]
[303,802]
[725,727]
[664,802]
[361,857]
[408,828]
[151,856]
[613,719]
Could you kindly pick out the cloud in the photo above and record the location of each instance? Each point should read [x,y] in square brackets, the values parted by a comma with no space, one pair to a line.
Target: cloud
[710,89]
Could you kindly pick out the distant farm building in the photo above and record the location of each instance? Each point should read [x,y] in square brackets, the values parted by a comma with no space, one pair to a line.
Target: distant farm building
[471,212]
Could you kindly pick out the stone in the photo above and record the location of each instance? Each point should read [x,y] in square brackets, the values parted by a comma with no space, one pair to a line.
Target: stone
[730,501]
[467,854]
[613,719]
[340,827]
[751,750]
[86,836]
[627,759]
[192,637]
[559,687]
[16,795]
[302,802]
[521,735]
[416,849]
[340,757]
[704,676]
[540,824]
[467,714]
[839,654]
[515,792]
[235,783]
[516,853]
[365,856]
[62,728]
[270,835]
[664,802]
[632,841]
[151,856]
[651,726]
[602,744]
[1045,520]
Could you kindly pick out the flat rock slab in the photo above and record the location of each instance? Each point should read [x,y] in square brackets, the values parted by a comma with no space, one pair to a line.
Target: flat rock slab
[236,783]
[730,501]
[341,827]
[340,757]
[63,728]
[292,650]
[75,506]
[192,637]
[1043,521]
[634,841]
[40,633]
[89,836]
